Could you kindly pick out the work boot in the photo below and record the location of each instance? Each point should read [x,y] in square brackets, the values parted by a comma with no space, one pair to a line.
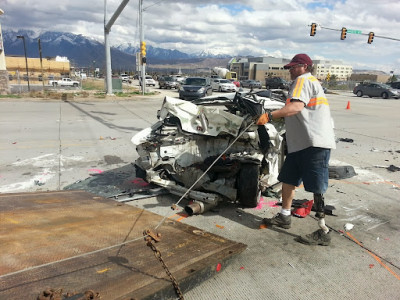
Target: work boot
[318,237]
[279,220]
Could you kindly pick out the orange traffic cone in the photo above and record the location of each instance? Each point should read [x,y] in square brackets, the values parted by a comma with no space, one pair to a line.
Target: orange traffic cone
[348,105]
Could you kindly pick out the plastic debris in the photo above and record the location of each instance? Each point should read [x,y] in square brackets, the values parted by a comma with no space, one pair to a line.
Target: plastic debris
[346,140]
[393,168]
[348,226]
[219,267]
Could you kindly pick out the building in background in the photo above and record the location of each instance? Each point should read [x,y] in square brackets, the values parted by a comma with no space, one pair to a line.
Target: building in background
[260,68]
[324,69]
[4,87]
[362,77]
[53,69]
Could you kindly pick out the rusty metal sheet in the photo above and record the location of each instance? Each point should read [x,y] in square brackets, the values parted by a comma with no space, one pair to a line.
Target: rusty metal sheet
[77,241]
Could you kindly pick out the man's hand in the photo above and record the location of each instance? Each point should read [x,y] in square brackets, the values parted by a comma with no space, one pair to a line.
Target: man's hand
[264,119]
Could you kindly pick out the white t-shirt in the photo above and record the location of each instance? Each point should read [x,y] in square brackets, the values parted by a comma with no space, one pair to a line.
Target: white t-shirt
[313,126]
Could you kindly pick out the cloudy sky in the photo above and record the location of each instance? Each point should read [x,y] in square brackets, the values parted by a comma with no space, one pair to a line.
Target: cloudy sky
[279,28]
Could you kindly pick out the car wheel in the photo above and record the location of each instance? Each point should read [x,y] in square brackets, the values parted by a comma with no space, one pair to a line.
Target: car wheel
[247,185]
[219,89]
[385,95]
[359,94]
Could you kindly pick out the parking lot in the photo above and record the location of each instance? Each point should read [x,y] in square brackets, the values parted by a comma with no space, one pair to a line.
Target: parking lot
[51,144]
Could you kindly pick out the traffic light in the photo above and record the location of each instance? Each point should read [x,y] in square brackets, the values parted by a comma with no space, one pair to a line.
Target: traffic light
[343,34]
[371,37]
[143,49]
[313,29]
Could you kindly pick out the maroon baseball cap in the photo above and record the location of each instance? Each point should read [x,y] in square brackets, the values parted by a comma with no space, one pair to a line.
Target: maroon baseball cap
[299,59]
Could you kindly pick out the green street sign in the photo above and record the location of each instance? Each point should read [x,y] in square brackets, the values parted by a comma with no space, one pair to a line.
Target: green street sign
[354,31]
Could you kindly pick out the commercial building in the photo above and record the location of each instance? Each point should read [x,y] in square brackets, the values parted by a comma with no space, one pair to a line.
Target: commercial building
[38,70]
[382,78]
[259,68]
[327,68]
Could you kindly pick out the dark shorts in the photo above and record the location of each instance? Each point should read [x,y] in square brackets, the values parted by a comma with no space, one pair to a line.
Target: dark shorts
[310,166]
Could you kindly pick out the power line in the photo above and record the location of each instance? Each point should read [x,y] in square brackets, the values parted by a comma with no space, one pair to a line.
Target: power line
[152,4]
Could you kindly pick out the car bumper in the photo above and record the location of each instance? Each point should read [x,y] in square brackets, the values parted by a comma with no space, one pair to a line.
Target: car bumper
[172,86]
[190,95]
[225,89]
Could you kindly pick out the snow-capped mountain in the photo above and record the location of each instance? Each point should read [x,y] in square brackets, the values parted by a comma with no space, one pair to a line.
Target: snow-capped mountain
[215,53]
[87,52]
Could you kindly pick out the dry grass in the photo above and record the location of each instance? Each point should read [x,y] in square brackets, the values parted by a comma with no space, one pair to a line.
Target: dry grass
[91,89]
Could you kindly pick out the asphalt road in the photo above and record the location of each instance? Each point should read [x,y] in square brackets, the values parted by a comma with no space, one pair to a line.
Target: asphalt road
[49,144]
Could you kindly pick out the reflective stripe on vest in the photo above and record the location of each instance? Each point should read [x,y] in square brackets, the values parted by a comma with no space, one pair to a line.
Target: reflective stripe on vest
[313,101]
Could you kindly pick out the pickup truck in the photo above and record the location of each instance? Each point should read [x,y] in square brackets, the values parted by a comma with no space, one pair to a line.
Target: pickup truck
[64,82]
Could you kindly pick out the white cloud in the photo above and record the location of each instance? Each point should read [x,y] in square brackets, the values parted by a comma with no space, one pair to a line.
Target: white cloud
[255,27]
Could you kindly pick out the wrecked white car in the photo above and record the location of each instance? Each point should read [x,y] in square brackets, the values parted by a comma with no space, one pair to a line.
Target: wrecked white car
[210,150]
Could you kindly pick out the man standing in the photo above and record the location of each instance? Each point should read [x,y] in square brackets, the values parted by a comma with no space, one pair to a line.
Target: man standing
[310,138]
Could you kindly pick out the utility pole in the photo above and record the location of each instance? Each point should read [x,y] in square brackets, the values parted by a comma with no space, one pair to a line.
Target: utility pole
[142,61]
[41,61]
[26,60]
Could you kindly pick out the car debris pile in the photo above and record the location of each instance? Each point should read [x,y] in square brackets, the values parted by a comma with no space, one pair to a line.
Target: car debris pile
[210,150]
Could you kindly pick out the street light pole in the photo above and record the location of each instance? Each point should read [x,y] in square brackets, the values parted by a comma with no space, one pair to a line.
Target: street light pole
[26,60]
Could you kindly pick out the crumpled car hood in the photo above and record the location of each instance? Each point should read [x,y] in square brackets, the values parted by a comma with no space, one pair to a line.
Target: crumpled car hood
[196,119]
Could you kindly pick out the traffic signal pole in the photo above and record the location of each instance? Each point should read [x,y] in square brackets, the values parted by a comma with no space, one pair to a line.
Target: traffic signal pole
[343,32]
[107,29]
[142,64]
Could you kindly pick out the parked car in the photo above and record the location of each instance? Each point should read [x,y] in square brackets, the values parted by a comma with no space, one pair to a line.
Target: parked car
[184,149]
[125,78]
[235,82]
[179,78]
[64,82]
[149,81]
[222,85]
[168,82]
[194,88]
[374,89]
[276,83]
[395,85]
[251,84]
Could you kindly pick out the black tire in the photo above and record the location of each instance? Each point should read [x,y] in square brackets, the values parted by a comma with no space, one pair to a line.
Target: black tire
[219,89]
[75,85]
[385,95]
[359,94]
[247,185]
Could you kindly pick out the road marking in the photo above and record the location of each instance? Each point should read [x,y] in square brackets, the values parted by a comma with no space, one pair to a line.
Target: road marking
[374,256]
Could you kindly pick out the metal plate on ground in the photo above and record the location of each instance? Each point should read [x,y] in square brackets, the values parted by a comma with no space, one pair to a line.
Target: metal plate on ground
[76,241]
